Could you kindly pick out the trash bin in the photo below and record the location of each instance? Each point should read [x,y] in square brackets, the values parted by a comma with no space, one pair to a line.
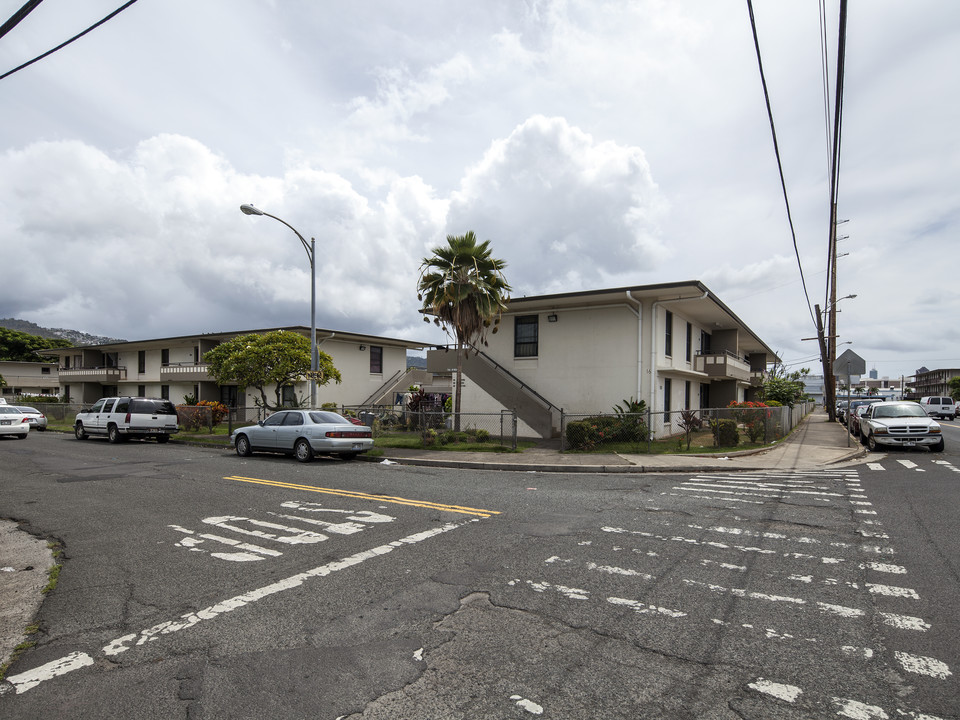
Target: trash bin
[367,418]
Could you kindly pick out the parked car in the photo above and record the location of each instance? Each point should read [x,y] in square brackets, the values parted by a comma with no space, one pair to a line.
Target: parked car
[13,422]
[940,407]
[854,406]
[38,421]
[855,418]
[121,418]
[304,434]
[899,424]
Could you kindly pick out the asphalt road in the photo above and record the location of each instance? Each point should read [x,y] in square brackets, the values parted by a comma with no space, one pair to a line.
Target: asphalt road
[200,585]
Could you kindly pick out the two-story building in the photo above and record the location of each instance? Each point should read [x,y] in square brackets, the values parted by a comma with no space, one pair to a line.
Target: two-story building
[29,378]
[674,346]
[173,368]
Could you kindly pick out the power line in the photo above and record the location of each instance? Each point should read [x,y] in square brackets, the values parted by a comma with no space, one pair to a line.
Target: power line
[64,44]
[19,15]
[776,150]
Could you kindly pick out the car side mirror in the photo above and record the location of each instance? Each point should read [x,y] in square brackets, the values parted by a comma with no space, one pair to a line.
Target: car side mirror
[260,423]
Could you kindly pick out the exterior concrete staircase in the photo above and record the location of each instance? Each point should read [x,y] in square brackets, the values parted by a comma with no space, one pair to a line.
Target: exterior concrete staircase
[398,383]
[505,387]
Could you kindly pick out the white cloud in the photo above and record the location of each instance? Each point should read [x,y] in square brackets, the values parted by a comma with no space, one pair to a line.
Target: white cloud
[595,143]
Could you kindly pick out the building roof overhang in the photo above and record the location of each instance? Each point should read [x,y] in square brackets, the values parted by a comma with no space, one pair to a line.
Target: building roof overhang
[691,298]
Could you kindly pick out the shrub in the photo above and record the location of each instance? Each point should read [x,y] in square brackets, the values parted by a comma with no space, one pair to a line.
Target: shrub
[218,410]
[753,415]
[725,433]
[483,436]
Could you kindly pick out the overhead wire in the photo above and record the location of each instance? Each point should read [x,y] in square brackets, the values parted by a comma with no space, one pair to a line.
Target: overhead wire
[67,42]
[14,20]
[776,150]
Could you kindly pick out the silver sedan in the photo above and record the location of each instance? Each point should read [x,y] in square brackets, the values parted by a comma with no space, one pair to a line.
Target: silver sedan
[37,420]
[304,434]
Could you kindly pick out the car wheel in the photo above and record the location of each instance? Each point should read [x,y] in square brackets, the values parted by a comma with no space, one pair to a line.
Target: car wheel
[872,443]
[302,451]
[79,432]
[24,437]
[938,447]
[113,434]
[243,446]
[163,438]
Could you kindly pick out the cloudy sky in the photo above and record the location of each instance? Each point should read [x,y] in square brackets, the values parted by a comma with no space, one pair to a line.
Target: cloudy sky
[596,144]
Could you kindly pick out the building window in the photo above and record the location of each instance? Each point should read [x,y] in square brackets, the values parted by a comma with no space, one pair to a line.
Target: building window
[689,344]
[668,334]
[142,390]
[667,391]
[686,393]
[44,371]
[289,396]
[376,360]
[141,361]
[704,343]
[526,333]
[165,392]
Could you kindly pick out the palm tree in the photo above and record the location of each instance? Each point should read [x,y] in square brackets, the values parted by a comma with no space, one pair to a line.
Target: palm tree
[463,287]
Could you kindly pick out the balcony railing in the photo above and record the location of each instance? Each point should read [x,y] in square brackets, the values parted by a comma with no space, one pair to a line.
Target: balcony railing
[185,372]
[723,365]
[92,374]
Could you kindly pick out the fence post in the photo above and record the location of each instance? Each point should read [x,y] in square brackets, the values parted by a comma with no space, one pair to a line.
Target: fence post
[563,435]
[649,430]
[514,424]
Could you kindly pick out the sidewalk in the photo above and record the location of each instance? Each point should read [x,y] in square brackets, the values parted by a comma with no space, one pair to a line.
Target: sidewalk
[815,443]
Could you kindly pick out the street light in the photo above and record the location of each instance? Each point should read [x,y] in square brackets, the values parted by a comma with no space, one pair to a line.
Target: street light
[311,250]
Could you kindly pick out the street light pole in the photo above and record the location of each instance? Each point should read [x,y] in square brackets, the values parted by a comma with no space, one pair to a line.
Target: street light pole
[311,250]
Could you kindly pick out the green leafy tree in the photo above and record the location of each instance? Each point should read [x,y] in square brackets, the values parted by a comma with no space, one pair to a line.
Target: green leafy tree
[268,362]
[785,388]
[21,347]
[955,387]
[464,288]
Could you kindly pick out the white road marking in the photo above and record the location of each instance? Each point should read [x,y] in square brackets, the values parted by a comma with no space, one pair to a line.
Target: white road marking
[876,466]
[893,591]
[644,609]
[923,665]
[787,693]
[31,678]
[528,705]
[297,536]
[122,644]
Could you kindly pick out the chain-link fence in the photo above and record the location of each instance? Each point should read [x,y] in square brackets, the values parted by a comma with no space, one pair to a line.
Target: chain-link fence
[438,428]
[748,424]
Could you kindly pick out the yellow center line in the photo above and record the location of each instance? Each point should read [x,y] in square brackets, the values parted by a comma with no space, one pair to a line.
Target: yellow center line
[366,496]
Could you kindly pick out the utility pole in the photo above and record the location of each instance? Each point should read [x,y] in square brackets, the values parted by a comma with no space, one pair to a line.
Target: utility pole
[831,339]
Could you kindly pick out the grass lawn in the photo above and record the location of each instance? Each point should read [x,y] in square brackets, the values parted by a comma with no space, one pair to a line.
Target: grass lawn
[701,443]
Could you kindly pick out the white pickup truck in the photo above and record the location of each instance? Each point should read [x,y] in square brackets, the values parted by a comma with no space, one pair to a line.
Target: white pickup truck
[120,418]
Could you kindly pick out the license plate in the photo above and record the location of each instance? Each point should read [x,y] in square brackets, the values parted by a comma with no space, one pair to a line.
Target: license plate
[357,446]
[6,422]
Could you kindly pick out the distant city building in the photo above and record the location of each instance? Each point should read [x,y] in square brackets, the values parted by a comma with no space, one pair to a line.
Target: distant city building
[933,382]
[873,374]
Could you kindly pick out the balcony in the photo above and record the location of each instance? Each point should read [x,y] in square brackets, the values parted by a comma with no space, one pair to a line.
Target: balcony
[104,375]
[758,378]
[185,372]
[723,366]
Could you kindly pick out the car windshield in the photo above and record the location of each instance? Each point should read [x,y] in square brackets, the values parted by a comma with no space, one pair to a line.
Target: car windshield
[895,411]
[328,417]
